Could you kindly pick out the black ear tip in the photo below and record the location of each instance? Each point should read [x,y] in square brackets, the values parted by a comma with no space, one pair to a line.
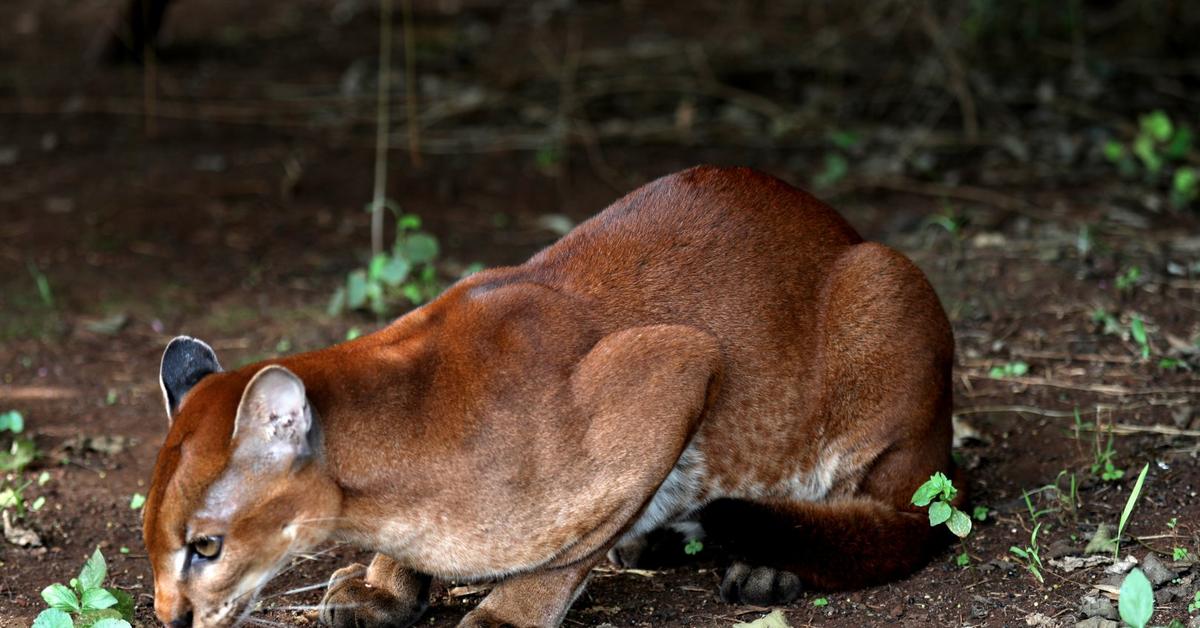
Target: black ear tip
[185,362]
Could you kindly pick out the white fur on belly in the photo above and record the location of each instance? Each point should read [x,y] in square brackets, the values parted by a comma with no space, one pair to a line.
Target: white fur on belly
[678,495]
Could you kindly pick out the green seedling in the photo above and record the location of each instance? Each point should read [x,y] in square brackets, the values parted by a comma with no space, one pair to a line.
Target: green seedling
[1128,280]
[1137,599]
[1029,555]
[837,166]
[820,602]
[1110,325]
[1010,369]
[137,501]
[937,493]
[1102,461]
[1129,504]
[21,451]
[1194,605]
[86,603]
[1180,553]
[1174,364]
[980,513]
[43,285]
[693,547]
[1137,331]
[407,271]
[1172,522]
[963,559]
[1159,145]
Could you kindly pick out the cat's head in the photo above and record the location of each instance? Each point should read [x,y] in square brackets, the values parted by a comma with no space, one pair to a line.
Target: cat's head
[238,488]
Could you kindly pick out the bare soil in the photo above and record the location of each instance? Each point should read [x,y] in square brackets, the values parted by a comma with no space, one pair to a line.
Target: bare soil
[234,212]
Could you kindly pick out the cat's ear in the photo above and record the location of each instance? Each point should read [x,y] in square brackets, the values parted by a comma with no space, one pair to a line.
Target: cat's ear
[185,362]
[274,420]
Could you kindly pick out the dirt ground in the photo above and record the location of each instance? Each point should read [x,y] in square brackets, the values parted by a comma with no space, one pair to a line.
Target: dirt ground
[227,206]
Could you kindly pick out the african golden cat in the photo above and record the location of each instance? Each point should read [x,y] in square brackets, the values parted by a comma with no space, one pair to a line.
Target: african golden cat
[716,346]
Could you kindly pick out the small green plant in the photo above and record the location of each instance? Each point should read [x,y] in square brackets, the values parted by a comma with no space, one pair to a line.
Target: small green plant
[1029,555]
[137,501]
[21,451]
[1110,325]
[1129,504]
[1102,461]
[1137,599]
[1010,369]
[1180,553]
[406,271]
[1159,145]
[1194,605]
[86,603]
[837,166]
[1172,522]
[1127,280]
[693,547]
[980,513]
[820,602]
[963,559]
[1137,331]
[937,492]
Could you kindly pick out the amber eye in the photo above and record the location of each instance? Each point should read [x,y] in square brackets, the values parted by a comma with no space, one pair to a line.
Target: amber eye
[206,547]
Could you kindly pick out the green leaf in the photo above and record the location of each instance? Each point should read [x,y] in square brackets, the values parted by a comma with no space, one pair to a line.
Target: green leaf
[939,512]
[137,501]
[12,421]
[125,604]
[1020,553]
[38,503]
[1018,368]
[1143,147]
[836,168]
[925,494]
[408,222]
[962,560]
[111,623]
[93,573]
[19,455]
[97,599]
[60,597]
[1180,144]
[1129,503]
[693,547]
[820,602]
[89,618]
[337,302]
[1184,184]
[980,513]
[1114,151]
[53,618]
[1157,125]
[959,524]
[395,271]
[418,248]
[1137,599]
[376,265]
[356,289]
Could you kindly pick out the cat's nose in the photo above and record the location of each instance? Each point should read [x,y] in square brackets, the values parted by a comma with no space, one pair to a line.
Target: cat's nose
[183,621]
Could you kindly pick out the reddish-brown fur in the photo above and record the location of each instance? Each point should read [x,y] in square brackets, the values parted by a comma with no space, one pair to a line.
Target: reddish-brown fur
[520,424]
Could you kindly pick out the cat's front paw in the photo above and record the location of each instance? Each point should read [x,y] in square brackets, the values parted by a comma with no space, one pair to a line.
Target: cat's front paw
[352,602]
[759,586]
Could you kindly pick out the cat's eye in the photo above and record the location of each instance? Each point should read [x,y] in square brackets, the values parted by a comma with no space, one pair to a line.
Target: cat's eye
[206,547]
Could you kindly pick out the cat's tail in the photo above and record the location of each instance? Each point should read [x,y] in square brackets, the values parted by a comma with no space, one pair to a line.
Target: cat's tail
[831,545]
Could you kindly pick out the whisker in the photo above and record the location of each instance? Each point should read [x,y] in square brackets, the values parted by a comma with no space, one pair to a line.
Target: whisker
[311,607]
[310,587]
